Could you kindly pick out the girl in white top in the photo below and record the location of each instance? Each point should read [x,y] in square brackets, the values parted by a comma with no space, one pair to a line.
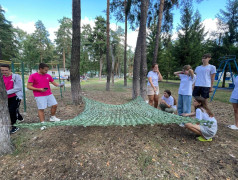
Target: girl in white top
[234,101]
[168,102]
[187,78]
[205,131]
[153,86]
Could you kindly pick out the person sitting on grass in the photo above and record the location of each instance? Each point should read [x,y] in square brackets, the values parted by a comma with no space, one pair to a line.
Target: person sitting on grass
[168,102]
[202,112]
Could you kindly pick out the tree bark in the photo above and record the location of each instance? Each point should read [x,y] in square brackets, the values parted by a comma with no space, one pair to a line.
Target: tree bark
[75,54]
[113,64]
[161,9]
[100,67]
[143,66]
[140,63]
[136,68]
[108,47]
[125,47]
[5,143]
[64,59]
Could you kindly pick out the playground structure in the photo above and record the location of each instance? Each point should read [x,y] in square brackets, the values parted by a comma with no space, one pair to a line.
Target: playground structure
[224,62]
[22,73]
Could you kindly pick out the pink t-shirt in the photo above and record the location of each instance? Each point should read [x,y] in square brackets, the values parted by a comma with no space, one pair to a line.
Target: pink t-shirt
[9,84]
[41,81]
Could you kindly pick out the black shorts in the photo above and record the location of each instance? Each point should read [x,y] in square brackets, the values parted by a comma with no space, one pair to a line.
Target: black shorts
[201,91]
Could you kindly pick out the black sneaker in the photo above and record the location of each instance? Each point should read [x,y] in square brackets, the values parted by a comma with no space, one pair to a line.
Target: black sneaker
[14,130]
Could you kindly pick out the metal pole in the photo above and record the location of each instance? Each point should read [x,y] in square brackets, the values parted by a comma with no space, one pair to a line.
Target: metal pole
[23,85]
[59,81]
[13,70]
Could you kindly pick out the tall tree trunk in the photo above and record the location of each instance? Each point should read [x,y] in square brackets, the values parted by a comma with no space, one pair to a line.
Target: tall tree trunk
[108,46]
[64,59]
[100,67]
[140,63]
[161,9]
[136,68]
[113,64]
[5,143]
[224,78]
[125,47]
[75,54]
[143,65]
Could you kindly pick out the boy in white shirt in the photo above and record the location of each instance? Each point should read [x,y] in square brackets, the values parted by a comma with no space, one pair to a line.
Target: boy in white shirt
[205,77]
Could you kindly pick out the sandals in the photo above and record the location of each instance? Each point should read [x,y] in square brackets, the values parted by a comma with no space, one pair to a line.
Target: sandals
[234,127]
[200,138]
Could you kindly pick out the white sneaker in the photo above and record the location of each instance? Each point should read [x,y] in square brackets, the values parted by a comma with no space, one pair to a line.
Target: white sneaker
[54,119]
[233,127]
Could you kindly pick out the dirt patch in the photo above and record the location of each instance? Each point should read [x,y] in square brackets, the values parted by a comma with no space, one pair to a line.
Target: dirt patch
[140,152]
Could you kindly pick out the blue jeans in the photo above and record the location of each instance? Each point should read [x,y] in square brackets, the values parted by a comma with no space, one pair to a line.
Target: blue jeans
[184,104]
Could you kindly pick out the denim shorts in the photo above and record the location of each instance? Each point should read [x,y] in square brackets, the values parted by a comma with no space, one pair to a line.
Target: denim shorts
[235,101]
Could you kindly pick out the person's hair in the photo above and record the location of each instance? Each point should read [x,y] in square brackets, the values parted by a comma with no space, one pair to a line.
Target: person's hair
[203,105]
[5,65]
[169,93]
[153,65]
[43,65]
[187,67]
[207,55]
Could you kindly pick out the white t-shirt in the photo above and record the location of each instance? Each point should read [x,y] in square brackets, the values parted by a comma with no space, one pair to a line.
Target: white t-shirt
[204,116]
[204,75]
[234,93]
[186,84]
[155,78]
[169,101]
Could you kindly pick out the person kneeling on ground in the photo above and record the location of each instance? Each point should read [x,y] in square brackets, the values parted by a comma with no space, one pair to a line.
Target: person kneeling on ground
[39,83]
[168,102]
[202,113]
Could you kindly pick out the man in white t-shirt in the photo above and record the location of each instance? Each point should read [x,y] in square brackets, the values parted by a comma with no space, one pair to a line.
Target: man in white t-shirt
[205,77]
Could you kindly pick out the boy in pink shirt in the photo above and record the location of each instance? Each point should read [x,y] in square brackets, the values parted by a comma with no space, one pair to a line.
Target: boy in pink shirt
[40,84]
[13,84]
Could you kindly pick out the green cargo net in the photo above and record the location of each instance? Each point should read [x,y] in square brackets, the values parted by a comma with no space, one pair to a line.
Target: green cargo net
[135,112]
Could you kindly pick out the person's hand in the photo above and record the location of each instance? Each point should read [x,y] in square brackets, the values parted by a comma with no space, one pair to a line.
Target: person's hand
[210,90]
[42,89]
[184,114]
[155,89]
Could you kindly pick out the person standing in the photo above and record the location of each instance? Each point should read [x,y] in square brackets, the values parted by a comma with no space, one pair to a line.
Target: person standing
[187,78]
[153,86]
[205,77]
[13,84]
[234,101]
[39,82]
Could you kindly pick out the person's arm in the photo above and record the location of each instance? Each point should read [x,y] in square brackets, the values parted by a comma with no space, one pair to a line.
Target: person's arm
[30,86]
[212,81]
[191,73]
[160,76]
[177,73]
[17,85]
[189,114]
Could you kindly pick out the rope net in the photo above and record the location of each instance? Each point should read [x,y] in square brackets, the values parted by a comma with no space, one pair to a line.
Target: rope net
[135,112]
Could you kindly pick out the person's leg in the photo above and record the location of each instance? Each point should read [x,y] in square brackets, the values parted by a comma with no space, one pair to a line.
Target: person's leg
[163,106]
[151,99]
[194,128]
[180,104]
[41,115]
[53,110]
[156,100]
[187,103]
[235,107]
[170,110]
[19,116]
[196,91]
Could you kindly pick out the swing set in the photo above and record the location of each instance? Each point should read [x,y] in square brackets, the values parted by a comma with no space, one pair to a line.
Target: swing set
[224,62]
